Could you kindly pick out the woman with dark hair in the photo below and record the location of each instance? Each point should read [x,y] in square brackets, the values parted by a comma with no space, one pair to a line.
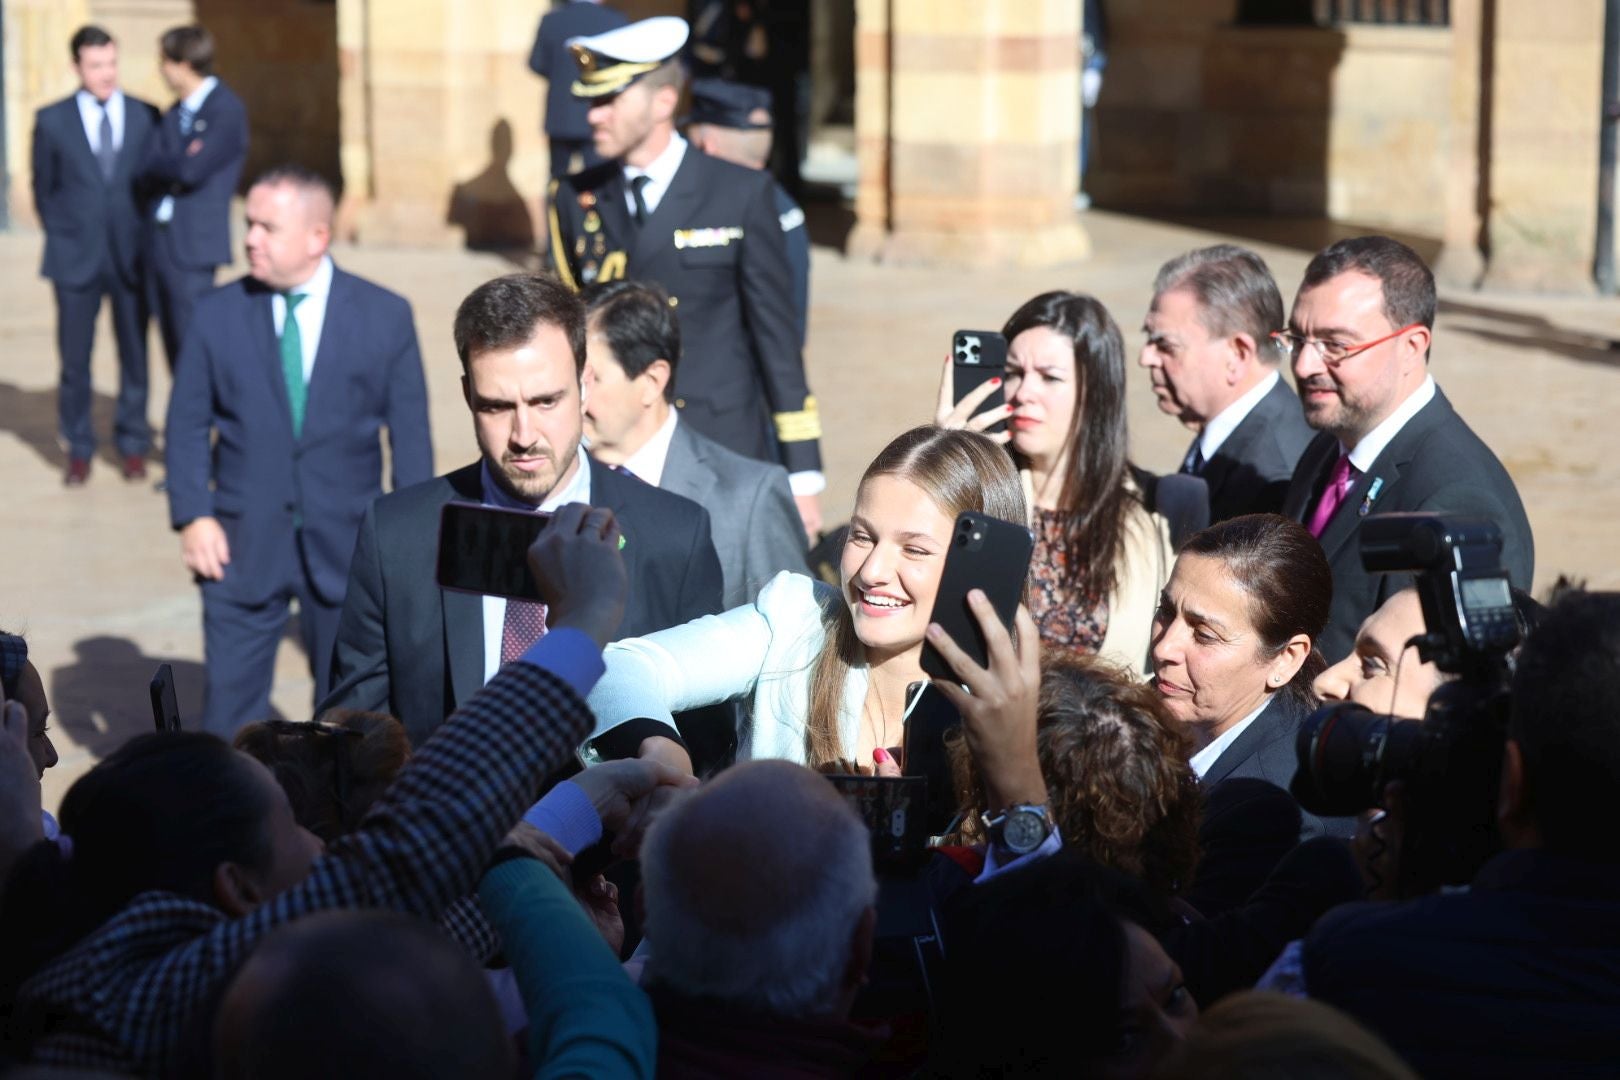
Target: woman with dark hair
[823,674]
[1117,780]
[332,769]
[1100,555]
[1234,651]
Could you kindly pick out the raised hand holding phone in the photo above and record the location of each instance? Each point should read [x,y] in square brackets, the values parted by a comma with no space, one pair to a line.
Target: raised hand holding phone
[970,395]
[580,573]
[1000,705]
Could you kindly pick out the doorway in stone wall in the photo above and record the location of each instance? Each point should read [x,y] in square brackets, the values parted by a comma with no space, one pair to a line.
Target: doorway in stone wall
[281,57]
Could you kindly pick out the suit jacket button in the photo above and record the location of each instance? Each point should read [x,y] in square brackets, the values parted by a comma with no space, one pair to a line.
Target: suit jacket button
[680,403]
[674,301]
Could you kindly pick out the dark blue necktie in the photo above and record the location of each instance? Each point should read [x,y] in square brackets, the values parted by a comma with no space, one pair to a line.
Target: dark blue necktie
[106,152]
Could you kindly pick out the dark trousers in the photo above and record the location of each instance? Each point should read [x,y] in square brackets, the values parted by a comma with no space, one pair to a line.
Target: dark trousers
[172,289]
[569,156]
[240,642]
[76,309]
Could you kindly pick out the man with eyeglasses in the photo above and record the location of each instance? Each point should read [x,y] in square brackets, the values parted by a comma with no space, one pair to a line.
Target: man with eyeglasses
[1388,439]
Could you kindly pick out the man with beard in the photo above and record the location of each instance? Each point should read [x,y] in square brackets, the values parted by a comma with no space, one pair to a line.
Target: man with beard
[411,649]
[1388,440]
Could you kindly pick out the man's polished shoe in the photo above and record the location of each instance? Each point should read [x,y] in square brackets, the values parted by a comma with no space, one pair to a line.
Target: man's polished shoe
[134,467]
[78,471]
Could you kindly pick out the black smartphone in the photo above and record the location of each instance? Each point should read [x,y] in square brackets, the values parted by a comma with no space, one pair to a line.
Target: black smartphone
[977,356]
[485,549]
[985,553]
[165,707]
[930,718]
[893,809]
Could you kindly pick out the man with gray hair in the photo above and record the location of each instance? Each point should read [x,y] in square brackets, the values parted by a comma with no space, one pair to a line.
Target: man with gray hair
[761,913]
[1215,368]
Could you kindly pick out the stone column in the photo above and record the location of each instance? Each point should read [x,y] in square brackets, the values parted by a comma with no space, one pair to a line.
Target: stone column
[1546,82]
[441,140]
[967,131]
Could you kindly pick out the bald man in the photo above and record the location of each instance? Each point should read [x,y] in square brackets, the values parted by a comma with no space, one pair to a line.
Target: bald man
[286,378]
[760,901]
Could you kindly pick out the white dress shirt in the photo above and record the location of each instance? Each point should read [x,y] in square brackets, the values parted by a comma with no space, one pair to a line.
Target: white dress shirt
[90,116]
[1206,758]
[659,172]
[192,102]
[1227,420]
[578,489]
[310,312]
[647,463]
[1371,445]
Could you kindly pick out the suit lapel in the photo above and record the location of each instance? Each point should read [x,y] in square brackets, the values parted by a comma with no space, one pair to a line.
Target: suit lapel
[1246,745]
[1311,476]
[686,473]
[80,138]
[1377,485]
[329,351]
[684,190]
[263,320]
[464,612]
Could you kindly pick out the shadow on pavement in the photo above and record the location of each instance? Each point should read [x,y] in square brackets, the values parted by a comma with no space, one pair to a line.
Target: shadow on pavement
[100,700]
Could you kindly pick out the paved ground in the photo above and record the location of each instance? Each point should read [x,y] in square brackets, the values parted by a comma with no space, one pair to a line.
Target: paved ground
[94,576]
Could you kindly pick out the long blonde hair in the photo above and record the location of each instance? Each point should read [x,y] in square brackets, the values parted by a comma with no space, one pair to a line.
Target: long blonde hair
[959,470]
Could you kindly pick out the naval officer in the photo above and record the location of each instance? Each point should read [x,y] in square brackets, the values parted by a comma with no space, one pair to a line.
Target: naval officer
[707,231]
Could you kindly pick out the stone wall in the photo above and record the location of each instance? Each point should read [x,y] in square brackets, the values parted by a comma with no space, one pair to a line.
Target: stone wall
[1199,115]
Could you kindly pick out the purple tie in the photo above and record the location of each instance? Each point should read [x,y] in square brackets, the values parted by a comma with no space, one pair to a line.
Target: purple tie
[525,624]
[1338,486]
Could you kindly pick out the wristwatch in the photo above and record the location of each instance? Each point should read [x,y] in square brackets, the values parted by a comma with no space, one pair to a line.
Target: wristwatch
[1021,828]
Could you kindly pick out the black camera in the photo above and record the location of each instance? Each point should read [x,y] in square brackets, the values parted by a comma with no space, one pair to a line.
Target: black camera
[1450,761]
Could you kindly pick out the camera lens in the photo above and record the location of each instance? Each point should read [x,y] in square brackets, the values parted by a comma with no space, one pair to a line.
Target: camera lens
[1347,753]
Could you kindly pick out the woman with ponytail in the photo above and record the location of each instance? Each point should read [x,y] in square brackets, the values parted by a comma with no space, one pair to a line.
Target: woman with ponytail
[1234,649]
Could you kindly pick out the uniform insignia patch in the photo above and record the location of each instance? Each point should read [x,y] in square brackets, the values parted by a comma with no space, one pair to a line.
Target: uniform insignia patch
[707,238]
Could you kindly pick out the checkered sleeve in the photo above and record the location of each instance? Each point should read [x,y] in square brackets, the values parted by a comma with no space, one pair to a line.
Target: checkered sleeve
[418,849]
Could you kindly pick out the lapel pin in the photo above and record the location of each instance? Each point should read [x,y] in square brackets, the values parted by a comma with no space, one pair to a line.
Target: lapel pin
[1372,493]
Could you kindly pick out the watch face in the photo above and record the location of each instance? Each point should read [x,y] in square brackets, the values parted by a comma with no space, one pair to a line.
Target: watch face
[1023,831]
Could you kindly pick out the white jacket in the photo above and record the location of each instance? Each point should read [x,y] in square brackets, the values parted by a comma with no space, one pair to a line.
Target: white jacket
[761,654]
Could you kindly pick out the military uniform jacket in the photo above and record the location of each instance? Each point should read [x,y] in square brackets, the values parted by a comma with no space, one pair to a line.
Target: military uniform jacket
[715,243]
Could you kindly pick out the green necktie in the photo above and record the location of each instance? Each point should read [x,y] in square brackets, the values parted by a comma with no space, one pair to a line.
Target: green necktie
[292,364]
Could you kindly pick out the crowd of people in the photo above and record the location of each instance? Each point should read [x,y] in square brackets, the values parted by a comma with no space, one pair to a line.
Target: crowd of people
[587,833]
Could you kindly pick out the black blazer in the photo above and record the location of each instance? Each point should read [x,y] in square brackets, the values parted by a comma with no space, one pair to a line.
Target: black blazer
[1434,463]
[230,449]
[1265,751]
[201,183]
[1251,471]
[85,216]
[408,648]
[716,243]
[551,60]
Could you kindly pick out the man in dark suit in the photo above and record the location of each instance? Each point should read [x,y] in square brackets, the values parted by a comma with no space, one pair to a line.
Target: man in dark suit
[1389,440]
[273,453]
[409,648]
[86,151]
[1519,974]
[633,350]
[1214,367]
[192,167]
[732,122]
[709,233]
[566,127]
